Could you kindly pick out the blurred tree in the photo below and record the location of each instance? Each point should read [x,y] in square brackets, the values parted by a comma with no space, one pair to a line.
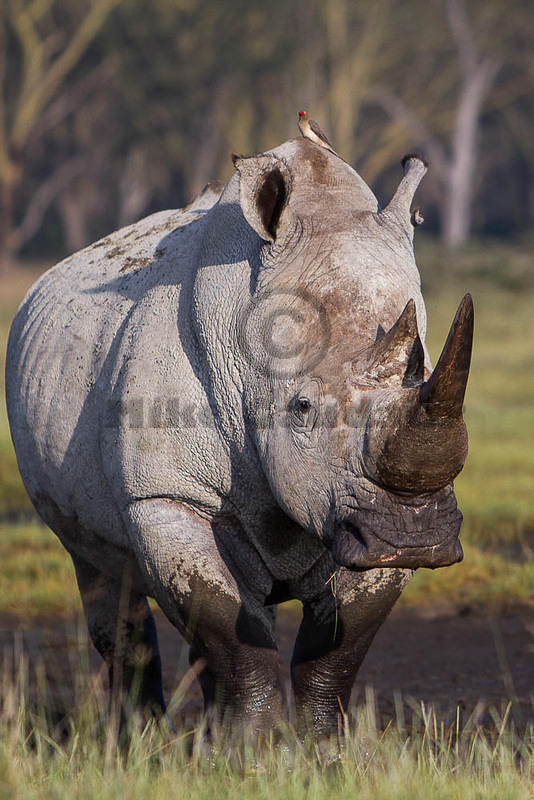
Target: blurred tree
[461,97]
[41,42]
[107,116]
[207,76]
[438,88]
[355,42]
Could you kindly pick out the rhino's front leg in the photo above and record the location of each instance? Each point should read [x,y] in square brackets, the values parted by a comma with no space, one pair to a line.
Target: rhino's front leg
[225,624]
[337,628]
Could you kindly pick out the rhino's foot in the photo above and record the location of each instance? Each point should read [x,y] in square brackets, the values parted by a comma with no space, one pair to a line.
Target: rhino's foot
[241,689]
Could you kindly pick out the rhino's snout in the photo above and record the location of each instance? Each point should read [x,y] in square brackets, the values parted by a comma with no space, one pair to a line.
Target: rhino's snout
[364,540]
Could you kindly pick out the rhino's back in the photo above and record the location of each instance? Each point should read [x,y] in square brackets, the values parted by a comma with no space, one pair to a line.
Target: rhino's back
[69,353]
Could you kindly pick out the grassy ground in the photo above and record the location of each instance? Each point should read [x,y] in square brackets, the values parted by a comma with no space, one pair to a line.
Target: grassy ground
[495,489]
[418,756]
[37,576]
[395,768]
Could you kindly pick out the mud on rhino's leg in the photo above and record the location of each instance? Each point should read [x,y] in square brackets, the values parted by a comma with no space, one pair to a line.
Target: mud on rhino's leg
[337,628]
[123,631]
[226,626]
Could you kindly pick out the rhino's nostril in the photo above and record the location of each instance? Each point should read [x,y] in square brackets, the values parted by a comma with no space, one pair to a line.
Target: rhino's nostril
[354,531]
[350,540]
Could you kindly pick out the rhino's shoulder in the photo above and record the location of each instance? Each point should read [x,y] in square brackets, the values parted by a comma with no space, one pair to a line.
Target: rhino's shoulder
[148,240]
[125,261]
[145,242]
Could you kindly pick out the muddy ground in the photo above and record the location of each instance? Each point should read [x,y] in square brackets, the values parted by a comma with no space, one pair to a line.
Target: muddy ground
[444,657]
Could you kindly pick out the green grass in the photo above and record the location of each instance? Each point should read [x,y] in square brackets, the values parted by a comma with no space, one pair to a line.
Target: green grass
[12,290]
[37,576]
[413,755]
[396,772]
[487,579]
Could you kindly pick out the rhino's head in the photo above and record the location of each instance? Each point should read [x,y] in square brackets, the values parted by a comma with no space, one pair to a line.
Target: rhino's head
[359,439]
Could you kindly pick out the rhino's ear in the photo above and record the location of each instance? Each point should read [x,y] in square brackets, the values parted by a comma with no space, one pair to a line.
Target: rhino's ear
[264,189]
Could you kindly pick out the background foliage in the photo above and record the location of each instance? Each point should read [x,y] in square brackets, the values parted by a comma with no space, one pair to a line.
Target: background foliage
[115,108]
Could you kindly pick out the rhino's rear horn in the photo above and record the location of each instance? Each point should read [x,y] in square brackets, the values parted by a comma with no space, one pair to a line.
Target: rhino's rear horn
[398,352]
[442,395]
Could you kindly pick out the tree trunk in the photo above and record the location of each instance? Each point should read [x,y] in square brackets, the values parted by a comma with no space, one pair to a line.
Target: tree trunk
[202,163]
[458,198]
[8,238]
[135,188]
[74,220]
[340,89]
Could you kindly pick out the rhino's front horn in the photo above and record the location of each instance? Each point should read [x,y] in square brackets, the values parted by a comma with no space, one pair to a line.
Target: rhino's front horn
[417,440]
[443,394]
[398,209]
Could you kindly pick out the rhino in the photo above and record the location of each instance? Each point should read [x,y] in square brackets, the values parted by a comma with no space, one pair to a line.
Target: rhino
[230,405]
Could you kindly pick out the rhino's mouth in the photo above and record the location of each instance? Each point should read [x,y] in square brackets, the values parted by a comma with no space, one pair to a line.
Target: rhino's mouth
[417,535]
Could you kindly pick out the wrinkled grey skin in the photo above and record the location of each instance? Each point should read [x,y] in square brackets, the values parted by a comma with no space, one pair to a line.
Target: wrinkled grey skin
[193,402]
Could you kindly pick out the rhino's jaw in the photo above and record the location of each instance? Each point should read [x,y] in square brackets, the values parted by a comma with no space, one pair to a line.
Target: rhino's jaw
[421,535]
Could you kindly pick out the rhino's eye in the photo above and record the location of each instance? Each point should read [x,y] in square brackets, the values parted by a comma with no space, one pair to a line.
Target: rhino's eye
[303,418]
